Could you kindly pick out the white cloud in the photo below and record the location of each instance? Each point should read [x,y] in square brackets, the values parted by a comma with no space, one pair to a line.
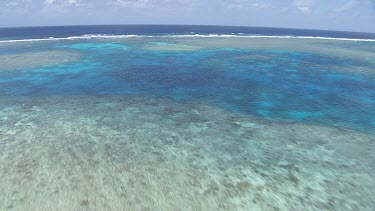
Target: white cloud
[132,3]
[304,6]
[152,3]
[347,6]
[63,3]
[12,4]
[14,7]
[48,2]
[247,4]
[15,3]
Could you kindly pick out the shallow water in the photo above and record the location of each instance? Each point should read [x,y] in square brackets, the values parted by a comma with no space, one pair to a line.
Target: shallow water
[187,123]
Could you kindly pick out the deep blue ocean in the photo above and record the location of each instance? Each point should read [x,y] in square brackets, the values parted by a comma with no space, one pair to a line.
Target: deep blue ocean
[67,31]
[281,85]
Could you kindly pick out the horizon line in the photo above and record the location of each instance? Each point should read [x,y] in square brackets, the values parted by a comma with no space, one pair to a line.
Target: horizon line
[209,25]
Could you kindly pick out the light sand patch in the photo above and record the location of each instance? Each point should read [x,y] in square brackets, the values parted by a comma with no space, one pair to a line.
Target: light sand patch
[121,153]
[356,51]
[170,47]
[350,50]
[341,49]
[37,59]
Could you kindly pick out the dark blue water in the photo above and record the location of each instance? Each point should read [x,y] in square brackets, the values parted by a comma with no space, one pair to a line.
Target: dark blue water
[67,31]
[275,84]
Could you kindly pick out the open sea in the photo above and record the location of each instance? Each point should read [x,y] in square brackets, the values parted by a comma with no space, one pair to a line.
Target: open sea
[163,117]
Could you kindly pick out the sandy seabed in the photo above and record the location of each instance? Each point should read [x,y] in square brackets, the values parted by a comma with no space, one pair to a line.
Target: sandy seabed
[18,61]
[143,153]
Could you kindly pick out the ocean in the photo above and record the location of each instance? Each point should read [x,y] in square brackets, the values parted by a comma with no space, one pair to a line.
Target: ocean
[164,117]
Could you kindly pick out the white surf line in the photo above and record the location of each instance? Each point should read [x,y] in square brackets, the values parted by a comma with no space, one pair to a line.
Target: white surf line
[70,38]
[104,36]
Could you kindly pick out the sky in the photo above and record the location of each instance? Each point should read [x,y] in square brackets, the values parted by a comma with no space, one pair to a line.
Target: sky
[343,15]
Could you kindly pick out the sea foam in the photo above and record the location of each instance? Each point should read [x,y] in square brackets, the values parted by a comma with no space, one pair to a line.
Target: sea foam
[239,35]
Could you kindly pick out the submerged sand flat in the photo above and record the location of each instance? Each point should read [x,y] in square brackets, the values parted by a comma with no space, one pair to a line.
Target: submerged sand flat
[328,47]
[37,59]
[351,50]
[171,47]
[342,49]
[124,153]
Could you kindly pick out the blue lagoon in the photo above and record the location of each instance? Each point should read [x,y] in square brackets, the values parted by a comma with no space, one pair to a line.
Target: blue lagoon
[186,118]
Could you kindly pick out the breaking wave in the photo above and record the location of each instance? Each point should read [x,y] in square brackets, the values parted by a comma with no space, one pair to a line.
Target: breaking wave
[241,35]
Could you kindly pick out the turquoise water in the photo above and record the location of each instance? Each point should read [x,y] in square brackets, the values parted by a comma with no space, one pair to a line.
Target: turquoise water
[187,123]
[283,85]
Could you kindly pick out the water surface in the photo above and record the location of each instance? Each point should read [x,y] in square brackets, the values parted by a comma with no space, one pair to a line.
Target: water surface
[166,122]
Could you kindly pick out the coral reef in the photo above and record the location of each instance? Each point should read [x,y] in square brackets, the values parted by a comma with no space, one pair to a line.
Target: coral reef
[140,153]
[37,59]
